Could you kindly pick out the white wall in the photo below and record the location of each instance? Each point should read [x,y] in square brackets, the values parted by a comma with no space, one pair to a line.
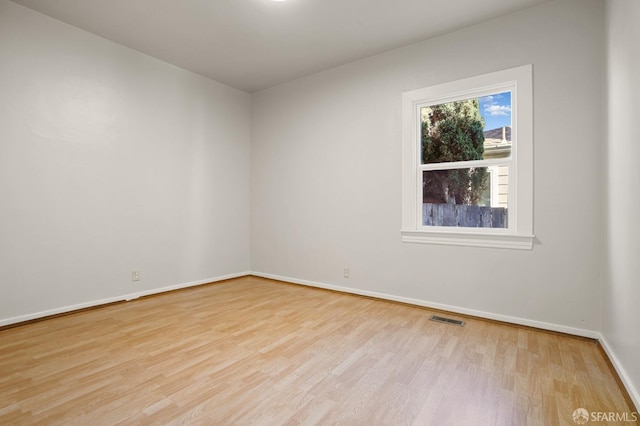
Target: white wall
[111,161]
[326,178]
[621,299]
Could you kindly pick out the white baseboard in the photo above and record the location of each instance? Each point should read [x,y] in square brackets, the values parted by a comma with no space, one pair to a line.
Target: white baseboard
[626,381]
[488,315]
[125,297]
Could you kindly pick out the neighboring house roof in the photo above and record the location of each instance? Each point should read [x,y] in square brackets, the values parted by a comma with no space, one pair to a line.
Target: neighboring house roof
[497,133]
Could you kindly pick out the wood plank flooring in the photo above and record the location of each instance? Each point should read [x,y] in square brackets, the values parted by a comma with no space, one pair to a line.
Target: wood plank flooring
[255,351]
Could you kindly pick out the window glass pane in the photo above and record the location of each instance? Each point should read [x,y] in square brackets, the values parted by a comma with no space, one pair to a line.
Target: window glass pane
[467,130]
[470,197]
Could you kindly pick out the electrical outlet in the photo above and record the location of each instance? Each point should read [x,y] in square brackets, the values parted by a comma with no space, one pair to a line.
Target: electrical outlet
[347,273]
[135,275]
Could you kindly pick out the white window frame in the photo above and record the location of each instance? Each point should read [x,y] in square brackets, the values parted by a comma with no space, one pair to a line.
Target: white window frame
[519,234]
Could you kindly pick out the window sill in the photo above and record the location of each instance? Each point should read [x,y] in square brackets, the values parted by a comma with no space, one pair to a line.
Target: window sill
[469,239]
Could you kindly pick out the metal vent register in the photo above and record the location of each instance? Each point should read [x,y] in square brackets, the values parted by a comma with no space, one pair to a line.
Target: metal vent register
[447,320]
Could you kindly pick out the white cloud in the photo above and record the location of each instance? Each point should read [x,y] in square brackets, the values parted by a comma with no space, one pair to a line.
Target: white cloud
[497,110]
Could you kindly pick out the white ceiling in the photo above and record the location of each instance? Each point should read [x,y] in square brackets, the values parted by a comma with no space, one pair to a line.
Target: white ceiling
[255,44]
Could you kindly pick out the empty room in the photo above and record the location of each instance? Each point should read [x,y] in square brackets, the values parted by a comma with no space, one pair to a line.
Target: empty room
[321,212]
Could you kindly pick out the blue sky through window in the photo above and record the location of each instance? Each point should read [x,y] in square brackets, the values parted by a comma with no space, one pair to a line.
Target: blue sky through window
[496,110]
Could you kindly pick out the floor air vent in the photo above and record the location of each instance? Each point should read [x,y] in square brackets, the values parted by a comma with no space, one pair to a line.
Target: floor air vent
[447,320]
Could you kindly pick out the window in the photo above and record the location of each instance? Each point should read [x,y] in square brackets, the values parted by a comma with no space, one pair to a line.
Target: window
[468,162]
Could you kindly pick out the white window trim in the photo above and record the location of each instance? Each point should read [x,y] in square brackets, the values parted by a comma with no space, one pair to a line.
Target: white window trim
[519,235]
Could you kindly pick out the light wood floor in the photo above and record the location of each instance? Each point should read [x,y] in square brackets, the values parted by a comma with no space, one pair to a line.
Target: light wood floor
[254,351]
